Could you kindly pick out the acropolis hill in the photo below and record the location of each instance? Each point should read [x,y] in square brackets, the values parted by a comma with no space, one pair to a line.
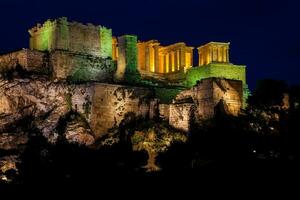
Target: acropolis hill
[84,68]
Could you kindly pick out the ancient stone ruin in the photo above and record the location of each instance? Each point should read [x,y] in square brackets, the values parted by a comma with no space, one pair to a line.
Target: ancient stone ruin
[85,68]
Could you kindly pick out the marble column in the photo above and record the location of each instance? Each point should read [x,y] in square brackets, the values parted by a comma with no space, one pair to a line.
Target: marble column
[215,56]
[167,63]
[164,63]
[175,61]
[227,54]
[178,59]
[182,59]
[156,58]
[170,62]
[220,59]
[224,55]
[147,58]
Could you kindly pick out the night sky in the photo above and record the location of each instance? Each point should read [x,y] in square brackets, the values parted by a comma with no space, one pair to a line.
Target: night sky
[264,34]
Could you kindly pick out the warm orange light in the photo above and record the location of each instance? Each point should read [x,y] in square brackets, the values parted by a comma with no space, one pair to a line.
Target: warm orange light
[167,63]
[178,60]
[172,61]
[161,64]
[187,60]
[152,66]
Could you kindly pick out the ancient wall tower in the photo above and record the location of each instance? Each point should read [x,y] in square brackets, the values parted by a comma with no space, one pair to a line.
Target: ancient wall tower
[73,37]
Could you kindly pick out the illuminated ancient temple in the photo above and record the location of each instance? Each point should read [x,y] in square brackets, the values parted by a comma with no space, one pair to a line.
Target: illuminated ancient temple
[71,45]
[213,52]
[88,52]
[75,53]
[164,59]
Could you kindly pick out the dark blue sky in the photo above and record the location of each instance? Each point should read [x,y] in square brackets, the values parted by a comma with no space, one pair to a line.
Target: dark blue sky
[264,34]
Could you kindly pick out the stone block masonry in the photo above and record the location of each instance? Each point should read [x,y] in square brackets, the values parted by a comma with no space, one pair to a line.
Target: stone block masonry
[81,68]
[208,93]
[211,92]
[75,37]
[201,101]
[127,59]
[30,61]
[164,111]
[63,65]
[181,115]
[111,104]
[218,70]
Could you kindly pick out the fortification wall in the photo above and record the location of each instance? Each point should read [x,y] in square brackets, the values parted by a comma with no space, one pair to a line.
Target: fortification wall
[112,104]
[84,39]
[72,36]
[127,59]
[210,92]
[31,61]
[202,101]
[215,70]
[80,68]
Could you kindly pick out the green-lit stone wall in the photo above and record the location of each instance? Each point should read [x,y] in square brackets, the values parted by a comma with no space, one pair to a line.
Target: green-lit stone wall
[131,53]
[132,75]
[81,68]
[218,70]
[91,70]
[166,95]
[105,42]
[127,60]
[229,71]
[46,39]
[63,34]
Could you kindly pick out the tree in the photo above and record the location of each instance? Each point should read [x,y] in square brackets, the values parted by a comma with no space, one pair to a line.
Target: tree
[155,140]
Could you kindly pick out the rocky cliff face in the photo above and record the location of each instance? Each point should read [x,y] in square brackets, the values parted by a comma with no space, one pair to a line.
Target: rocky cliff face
[77,113]
[97,107]
[42,100]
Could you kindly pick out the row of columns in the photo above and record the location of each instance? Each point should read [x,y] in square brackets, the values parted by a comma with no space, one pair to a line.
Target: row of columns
[158,59]
[167,61]
[210,53]
[163,62]
[220,54]
[172,61]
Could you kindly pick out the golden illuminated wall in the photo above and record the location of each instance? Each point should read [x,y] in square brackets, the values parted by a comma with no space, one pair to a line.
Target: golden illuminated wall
[213,52]
[164,59]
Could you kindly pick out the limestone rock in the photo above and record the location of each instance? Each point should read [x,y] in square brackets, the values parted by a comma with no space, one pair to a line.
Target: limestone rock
[45,101]
[77,132]
[8,163]
[9,141]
